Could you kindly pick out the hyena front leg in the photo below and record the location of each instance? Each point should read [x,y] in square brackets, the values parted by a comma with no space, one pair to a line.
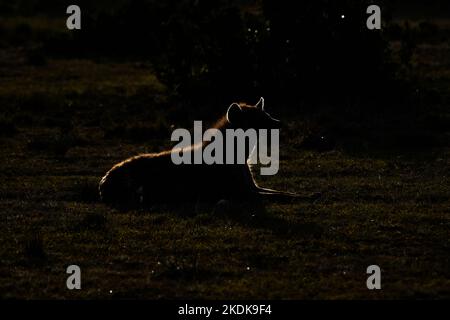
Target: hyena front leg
[286,196]
[272,191]
[281,195]
[264,191]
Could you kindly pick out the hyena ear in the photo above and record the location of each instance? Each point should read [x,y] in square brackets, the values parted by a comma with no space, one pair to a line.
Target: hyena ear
[233,112]
[260,103]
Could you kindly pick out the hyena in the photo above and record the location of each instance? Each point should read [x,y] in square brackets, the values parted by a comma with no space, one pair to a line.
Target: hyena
[153,178]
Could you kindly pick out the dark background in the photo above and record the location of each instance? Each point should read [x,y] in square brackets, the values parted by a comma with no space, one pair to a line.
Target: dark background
[366,121]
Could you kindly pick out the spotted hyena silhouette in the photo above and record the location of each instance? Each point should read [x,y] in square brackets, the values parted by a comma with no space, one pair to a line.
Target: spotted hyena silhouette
[152,178]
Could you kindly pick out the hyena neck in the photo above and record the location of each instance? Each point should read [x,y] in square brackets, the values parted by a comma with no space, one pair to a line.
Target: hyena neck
[222,125]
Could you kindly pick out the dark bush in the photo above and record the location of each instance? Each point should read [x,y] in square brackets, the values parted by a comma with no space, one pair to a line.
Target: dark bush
[212,52]
[289,52]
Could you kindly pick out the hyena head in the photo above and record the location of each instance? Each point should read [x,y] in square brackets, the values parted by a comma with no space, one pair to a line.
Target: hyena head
[251,117]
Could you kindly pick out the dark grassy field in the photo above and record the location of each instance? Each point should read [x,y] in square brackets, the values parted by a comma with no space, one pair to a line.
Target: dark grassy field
[64,123]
